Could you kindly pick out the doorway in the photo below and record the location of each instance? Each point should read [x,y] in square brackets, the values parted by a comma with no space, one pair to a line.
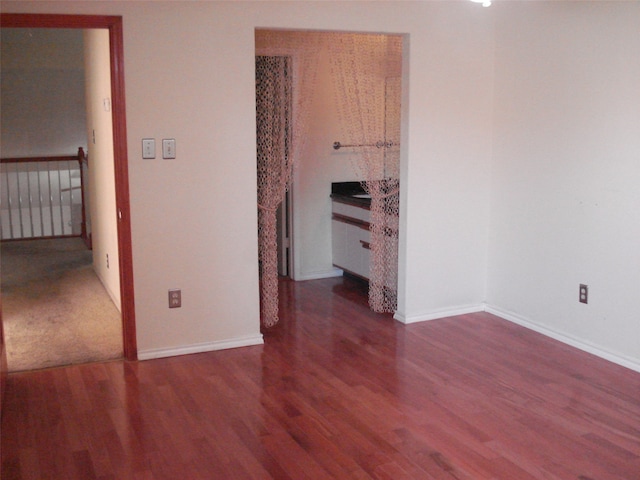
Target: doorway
[113,25]
[326,113]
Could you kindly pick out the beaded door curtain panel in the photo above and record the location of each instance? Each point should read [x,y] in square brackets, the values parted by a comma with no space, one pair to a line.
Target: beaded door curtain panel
[365,71]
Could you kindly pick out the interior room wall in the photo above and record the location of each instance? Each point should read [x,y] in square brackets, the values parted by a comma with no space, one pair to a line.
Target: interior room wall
[42,93]
[102,196]
[189,73]
[446,187]
[565,196]
[548,141]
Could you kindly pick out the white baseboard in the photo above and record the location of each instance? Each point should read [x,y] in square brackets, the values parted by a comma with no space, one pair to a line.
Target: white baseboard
[564,338]
[200,347]
[504,314]
[334,272]
[436,314]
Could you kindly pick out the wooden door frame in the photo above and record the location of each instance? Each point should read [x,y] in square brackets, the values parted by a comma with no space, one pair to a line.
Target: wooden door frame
[116,47]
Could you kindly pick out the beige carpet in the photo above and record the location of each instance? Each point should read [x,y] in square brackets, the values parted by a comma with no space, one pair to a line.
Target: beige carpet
[54,307]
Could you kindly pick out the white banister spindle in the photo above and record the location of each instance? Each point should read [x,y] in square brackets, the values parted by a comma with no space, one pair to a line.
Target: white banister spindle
[40,202]
[19,202]
[9,203]
[50,197]
[69,167]
[28,169]
[59,188]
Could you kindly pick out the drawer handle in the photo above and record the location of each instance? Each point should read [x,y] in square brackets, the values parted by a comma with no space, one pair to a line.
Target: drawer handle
[366,245]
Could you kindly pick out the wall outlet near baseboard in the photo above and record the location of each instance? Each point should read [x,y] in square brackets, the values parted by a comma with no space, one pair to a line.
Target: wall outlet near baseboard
[175,298]
[584,293]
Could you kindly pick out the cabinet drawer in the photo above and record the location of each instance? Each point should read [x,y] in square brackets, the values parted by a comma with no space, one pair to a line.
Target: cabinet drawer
[350,245]
[351,211]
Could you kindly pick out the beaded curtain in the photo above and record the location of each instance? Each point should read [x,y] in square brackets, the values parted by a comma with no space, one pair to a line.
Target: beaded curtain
[273,116]
[285,79]
[365,70]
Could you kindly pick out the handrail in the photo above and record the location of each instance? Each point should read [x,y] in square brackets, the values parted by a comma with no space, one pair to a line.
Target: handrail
[54,158]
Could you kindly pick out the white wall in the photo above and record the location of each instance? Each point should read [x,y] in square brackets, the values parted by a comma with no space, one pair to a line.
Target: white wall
[444,199]
[102,194]
[189,73]
[43,111]
[566,196]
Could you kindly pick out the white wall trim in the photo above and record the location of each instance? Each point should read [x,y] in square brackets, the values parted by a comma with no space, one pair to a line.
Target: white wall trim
[335,272]
[107,288]
[580,344]
[201,347]
[436,314]
[504,314]
[564,338]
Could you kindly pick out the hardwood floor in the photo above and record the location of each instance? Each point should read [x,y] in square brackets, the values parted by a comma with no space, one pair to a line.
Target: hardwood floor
[335,392]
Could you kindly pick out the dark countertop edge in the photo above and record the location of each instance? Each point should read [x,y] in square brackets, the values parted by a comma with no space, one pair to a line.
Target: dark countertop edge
[347,188]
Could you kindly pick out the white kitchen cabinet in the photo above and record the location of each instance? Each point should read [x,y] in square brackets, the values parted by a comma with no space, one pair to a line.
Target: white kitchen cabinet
[350,238]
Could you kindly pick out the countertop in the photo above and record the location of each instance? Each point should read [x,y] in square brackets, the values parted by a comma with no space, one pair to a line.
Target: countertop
[351,193]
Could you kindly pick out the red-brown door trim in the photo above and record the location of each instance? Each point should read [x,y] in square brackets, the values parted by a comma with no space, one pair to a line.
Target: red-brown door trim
[114,25]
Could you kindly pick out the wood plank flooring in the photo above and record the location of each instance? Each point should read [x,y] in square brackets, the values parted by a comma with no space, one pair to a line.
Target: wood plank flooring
[335,392]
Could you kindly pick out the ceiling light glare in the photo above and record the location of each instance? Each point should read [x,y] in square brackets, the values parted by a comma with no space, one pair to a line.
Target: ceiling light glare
[485,3]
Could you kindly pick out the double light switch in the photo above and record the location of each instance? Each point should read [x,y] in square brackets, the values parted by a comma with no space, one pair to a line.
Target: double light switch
[149,148]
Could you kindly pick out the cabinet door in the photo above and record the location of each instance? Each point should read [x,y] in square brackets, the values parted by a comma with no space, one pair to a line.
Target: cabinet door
[350,239]
[350,248]
[339,243]
[357,240]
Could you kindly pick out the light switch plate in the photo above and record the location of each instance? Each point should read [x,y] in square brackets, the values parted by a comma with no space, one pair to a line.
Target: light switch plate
[169,148]
[148,148]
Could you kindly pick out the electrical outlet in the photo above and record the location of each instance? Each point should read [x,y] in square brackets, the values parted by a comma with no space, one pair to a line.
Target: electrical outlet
[584,293]
[175,298]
